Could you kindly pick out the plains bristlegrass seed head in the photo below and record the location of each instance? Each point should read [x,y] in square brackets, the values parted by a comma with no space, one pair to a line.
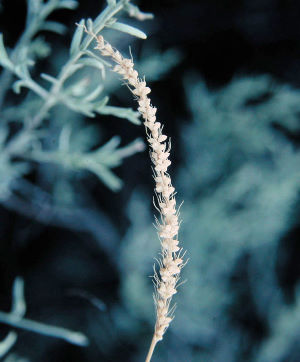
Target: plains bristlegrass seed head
[171,261]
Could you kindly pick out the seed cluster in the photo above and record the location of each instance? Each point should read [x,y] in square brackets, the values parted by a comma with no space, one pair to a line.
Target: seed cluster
[168,226]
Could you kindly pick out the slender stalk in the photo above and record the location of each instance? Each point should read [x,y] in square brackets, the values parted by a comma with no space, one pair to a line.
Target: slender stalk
[171,263]
[151,349]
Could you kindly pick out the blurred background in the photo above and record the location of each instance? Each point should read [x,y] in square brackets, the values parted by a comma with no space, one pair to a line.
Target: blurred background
[77,242]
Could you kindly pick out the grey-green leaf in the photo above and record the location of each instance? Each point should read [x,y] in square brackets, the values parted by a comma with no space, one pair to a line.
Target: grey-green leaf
[100,104]
[93,94]
[68,4]
[109,146]
[73,68]
[80,107]
[107,177]
[135,12]
[93,55]
[49,78]
[127,113]
[92,62]
[34,6]
[3,133]
[7,343]
[75,44]
[111,2]
[89,25]
[4,59]
[128,29]
[18,85]
[18,302]
[54,26]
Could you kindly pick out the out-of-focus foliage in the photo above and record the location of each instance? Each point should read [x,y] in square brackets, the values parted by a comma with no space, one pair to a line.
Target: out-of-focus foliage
[18,311]
[32,135]
[47,143]
[43,133]
[76,87]
[16,319]
[240,183]
[239,180]
[44,128]
[12,357]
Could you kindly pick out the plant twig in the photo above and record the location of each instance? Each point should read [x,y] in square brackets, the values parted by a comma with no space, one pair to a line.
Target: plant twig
[41,328]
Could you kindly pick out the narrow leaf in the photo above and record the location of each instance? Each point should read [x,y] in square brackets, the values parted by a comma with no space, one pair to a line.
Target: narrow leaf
[127,113]
[18,303]
[135,12]
[94,94]
[92,62]
[93,55]
[75,44]
[64,139]
[3,132]
[7,343]
[49,78]
[130,149]
[128,29]
[110,22]
[100,104]
[89,25]
[80,107]
[45,329]
[104,173]
[34,6]
[68,4]
[109,146]
[54,26]
[73,68]
[18,85]
[4,59]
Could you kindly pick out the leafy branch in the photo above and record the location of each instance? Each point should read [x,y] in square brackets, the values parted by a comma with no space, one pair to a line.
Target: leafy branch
[16,319]
[71,88]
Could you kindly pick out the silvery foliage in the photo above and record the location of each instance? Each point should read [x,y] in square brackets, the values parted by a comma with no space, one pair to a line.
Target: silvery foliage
[16,318]
[12,357]
[43,129]
[240,184]
[44,132]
